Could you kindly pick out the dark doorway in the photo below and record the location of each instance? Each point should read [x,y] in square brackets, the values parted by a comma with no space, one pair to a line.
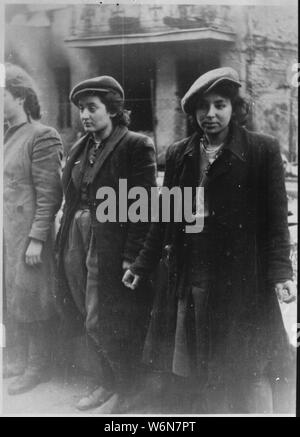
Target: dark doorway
[133,67]
[194,61]
[138,80]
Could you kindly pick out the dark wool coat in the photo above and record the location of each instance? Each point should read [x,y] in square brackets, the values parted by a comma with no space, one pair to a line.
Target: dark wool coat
[247,198]
[123,315]
[32,195]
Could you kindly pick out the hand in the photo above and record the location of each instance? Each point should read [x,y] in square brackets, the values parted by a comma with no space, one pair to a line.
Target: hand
[130,280]
[33,255]
[286,291]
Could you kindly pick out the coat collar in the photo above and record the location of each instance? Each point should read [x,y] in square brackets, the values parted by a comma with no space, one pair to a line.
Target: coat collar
[75,151]
[118,133]
[234,143]
[12,130]
[191,143]
[233,154]
[233,148]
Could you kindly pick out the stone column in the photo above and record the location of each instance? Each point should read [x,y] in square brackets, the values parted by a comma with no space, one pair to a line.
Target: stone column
[240,55]
[235,56]
[84,63]
[167,104]
[30,45]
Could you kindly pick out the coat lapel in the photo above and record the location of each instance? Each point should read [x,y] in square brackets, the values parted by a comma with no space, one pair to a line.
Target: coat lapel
[188,163]
[220,166]
[234,152]
[75,151]
[118,133]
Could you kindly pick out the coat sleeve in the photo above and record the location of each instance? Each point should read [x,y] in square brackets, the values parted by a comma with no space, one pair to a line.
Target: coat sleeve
[151,252]
[46,178]
[277,248]
[142,174]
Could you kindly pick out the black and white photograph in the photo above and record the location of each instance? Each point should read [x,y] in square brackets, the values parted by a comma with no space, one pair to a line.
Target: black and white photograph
[149,200]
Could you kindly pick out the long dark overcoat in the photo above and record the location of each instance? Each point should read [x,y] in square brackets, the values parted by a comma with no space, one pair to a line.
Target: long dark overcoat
[123,315]
[32,195]
[247,198]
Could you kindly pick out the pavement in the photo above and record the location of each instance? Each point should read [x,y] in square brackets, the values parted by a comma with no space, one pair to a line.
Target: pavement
[59,396]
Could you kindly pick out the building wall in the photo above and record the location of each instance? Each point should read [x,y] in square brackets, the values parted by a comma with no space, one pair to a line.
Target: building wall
[30,52]
[34,39]
[265,51]
[265,47]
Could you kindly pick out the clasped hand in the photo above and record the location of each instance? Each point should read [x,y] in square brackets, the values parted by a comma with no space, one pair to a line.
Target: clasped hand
[286,291]
[130,280]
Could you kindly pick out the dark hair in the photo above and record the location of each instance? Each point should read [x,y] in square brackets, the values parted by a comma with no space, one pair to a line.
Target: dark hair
[20,84]
[31,104]
[240,105]
[115,105]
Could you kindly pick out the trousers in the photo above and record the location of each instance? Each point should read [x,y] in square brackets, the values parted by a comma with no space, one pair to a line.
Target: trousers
[81,268]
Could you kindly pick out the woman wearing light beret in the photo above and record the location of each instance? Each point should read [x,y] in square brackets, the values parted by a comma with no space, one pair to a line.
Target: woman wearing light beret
[92,254]
[216,319]
[32,195]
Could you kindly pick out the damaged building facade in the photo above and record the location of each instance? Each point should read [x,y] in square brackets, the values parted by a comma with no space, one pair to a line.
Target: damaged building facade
[156,51]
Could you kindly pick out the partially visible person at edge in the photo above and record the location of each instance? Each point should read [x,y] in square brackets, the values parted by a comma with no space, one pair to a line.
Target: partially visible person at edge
[93,255]
[216,319]
[32,196]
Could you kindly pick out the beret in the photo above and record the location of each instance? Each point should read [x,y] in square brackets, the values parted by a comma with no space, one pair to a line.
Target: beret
[206,82]
[16,77]
[102,84]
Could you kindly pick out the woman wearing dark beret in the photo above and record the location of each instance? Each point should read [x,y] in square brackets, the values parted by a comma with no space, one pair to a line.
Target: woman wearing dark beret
[216,318]
[32,195]
[93,254]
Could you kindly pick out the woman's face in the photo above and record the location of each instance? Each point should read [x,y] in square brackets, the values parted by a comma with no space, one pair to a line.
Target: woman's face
[213,113]
[93,114]
[13,106]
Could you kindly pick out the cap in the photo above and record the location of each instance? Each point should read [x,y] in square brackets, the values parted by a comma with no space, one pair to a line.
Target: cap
[206,82]
[102,84]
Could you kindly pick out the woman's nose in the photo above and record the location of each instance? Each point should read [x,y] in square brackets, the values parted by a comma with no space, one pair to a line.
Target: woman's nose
[211,111]
[85,114]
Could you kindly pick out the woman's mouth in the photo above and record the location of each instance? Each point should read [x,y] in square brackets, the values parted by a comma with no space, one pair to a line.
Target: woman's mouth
[207,124]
